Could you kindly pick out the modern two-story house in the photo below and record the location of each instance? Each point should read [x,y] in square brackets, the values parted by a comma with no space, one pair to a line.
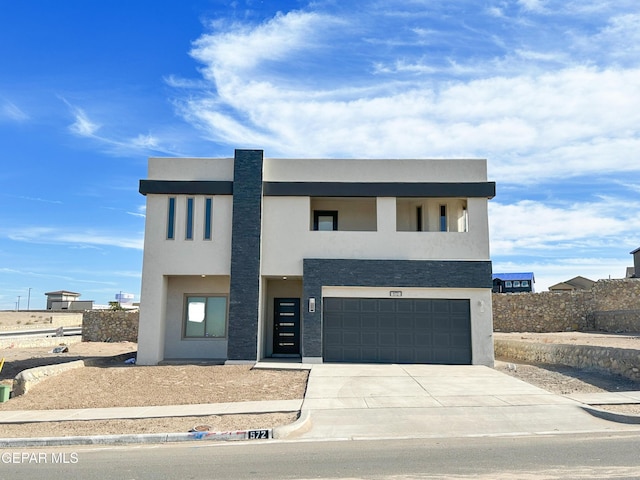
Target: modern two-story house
[248,258]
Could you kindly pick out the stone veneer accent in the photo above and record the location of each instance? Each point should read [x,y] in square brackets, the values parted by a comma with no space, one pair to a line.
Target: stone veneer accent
[111,325]
[610,305]
[244,293]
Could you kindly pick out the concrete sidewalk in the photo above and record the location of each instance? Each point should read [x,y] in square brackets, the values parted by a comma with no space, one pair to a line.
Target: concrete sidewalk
[350,401]
[194,410]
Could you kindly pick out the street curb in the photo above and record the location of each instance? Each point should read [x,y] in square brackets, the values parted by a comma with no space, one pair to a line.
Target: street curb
[612,416]
[301,425]
[149,438]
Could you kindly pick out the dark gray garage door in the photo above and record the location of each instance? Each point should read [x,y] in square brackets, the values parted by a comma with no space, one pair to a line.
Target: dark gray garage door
[392,330]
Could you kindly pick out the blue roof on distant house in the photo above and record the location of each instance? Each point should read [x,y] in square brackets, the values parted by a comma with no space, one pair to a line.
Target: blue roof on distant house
[514,276]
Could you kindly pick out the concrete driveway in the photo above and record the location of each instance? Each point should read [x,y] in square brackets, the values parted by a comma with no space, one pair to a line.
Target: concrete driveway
[345,401]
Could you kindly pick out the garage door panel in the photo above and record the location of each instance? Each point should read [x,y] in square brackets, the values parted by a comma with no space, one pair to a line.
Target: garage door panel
[387,355]
[369,338]
[387,305]
[369,322]
[405,340]
[422,305]
[351,304]
[397,330]
[332,320]
[405,321]
[351,320]
[368,305]
[386,339]
[423,340]
[387,323]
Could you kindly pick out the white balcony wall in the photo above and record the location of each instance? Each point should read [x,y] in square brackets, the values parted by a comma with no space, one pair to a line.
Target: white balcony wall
[354,214]
[407,214]
[287,239]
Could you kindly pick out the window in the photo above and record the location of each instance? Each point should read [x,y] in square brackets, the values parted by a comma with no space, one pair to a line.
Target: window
[524,283]
[206,317]
[508,284]
[325,220]
[207,218]
[443,218]
[171,218]
[189,227]
[419,219]
[516,283]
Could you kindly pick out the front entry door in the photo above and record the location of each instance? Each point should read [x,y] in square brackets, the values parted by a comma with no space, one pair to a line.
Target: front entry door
[286,326]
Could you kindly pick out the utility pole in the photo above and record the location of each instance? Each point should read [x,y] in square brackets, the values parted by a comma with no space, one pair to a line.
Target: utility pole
[18,308]
[29,299]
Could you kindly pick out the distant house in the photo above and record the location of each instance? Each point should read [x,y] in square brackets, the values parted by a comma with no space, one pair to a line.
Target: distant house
[576,283]
[513,282]
[634,272]
[65,300]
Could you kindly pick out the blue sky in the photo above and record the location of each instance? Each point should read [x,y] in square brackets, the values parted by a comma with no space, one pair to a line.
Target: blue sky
[547,91]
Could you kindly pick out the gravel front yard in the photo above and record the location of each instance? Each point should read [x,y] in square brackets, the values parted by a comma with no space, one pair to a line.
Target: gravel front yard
[129,385]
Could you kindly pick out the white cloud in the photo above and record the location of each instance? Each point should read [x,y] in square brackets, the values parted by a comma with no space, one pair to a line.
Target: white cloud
[141,211]
[533,5]
[82,125]
[531,122]
[76,239]
[243,47]
[533,228]
[12,112]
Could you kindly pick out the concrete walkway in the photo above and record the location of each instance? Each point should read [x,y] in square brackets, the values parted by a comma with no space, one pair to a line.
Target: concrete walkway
[386,401]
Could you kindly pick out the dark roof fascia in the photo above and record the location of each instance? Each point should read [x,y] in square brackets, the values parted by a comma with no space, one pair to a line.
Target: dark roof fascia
[186,187]
[325,189]
[380,189]
[635,251]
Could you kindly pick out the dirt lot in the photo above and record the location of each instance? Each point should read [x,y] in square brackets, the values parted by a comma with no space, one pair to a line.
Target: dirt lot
[128,385]
[118,384]
[564,380]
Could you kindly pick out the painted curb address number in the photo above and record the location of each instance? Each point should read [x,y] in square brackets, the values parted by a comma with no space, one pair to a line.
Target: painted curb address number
[258,434]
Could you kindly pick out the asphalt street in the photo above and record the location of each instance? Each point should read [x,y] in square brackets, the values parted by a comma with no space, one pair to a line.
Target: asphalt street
[585,456]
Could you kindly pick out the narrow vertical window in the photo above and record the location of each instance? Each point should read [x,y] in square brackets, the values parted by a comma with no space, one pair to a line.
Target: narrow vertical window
[419,219]
[189,228]
[171,218]
[443,218]
[207,219]
[465,219]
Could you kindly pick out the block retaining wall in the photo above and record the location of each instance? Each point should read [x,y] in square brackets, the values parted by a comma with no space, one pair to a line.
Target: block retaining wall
[608,360]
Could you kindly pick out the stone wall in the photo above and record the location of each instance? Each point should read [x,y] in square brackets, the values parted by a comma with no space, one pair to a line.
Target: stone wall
[540,312]
[618,321]
[619,361]
[110,325]
[611,305]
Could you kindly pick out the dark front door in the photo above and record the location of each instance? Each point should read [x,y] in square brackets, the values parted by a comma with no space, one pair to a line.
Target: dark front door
[286,326]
